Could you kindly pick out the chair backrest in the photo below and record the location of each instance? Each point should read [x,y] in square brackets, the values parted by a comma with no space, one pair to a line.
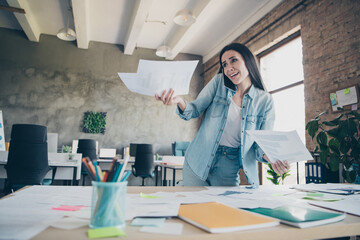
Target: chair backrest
[144,160]
[28,154]
[88,148]
[180,148]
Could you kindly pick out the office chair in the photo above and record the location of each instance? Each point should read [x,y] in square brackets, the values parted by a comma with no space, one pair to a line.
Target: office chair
[144,162]
[87,147]
[179,148]
[28,156]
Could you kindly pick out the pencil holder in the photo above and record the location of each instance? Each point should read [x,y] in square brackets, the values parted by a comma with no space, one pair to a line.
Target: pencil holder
[108,204]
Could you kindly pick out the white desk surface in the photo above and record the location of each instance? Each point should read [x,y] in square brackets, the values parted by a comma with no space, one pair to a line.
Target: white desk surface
[59,160]
[350,226]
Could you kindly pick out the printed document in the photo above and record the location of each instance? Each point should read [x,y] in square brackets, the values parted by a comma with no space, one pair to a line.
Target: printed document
[156,76]
[281,145]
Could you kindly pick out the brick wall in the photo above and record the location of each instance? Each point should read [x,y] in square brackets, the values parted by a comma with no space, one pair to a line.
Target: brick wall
[330,32]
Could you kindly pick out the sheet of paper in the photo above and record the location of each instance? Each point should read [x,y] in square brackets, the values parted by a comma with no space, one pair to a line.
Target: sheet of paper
[154,222]
[156,76]
[351,206]
[166,228]
[69,223]
[281,145]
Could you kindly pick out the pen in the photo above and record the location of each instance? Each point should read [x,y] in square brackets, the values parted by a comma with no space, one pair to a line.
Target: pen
[126,176]
[96,171]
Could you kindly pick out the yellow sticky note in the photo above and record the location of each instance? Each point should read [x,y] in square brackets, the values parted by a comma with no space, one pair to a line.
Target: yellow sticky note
[143,195]
[105,232]
[346,90]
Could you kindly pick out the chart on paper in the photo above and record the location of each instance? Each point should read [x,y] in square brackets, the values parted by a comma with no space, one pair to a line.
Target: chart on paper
[281,145]
[156,76]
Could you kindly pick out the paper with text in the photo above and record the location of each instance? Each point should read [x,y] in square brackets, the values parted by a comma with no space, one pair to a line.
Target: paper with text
[156,76]
[281,145]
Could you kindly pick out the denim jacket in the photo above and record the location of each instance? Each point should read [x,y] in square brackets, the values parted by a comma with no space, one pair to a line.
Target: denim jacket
[257,114]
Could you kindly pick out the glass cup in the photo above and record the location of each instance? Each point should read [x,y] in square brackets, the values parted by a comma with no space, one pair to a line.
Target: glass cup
[108,204]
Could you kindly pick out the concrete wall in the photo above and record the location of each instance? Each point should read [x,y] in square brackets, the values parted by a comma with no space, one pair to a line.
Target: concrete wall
[53,83]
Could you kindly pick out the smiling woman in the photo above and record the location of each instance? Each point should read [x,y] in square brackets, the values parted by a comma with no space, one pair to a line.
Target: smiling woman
[233,101]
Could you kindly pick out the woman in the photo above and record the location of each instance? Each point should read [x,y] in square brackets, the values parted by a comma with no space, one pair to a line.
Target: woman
[234,101]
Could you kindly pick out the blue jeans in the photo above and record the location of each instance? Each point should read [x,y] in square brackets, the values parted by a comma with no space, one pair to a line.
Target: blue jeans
[224,170]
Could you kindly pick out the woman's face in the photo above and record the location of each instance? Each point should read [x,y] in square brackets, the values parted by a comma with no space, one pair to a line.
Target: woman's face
[235,68]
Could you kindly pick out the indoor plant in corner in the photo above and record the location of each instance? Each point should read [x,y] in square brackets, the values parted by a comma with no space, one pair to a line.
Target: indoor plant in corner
[338,142]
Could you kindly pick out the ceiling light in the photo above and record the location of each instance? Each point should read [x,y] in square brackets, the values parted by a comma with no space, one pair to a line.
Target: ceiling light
[163,51]
[66,34]
[184,18]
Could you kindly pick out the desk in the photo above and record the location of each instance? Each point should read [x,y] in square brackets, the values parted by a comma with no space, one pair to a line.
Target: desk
[63,168]
[174,168]
[105,165]
[350,226]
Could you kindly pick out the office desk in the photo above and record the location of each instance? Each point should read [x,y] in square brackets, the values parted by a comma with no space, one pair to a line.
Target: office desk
[174,168]
[350,226]
[63,168]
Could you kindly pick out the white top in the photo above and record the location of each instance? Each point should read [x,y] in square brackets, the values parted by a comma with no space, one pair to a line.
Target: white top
[231,136]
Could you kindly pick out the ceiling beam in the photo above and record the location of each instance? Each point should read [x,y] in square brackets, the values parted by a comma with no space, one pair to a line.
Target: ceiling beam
[81,21]
[184,35]
[27,21]
[138,17]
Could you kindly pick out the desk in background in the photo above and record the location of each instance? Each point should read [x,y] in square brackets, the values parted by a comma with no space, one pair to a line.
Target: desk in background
[63,168]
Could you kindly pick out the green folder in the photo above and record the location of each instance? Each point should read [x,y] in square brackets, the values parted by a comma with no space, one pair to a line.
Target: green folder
[301,217]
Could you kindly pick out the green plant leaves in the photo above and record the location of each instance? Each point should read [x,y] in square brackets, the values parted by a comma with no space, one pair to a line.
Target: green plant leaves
[338,141]
[312,127]
[94,122]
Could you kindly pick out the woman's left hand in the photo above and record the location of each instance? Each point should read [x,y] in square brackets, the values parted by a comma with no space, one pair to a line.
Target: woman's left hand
[280,167]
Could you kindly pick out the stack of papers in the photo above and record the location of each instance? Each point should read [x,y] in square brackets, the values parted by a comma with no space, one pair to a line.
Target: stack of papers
[156,76]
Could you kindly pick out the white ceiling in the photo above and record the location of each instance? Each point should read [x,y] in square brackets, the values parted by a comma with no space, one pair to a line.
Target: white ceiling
[137,23]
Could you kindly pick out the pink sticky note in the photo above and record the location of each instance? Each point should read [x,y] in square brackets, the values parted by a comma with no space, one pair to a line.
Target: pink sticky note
[68,208]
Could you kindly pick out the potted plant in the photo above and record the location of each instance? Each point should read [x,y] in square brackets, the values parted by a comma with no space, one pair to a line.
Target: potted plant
[274,177]
[338,142]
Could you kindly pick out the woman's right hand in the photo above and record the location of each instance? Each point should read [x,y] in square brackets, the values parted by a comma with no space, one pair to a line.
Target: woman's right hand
[168,98]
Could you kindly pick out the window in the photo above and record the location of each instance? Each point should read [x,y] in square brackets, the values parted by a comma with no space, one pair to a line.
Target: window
[282,72]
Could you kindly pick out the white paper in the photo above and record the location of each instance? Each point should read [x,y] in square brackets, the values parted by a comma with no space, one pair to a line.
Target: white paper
[281,145]
[167,228]
[69,223]
[156,76]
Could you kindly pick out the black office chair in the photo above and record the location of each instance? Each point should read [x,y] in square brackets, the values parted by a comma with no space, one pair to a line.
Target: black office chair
[28,156]
[87,147]
[144,162]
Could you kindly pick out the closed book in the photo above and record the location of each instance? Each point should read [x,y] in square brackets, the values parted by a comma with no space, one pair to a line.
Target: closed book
[219,218]
[301,217]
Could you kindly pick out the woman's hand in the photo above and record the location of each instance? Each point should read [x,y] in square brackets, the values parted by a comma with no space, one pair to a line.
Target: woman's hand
[169,99]
[278,167]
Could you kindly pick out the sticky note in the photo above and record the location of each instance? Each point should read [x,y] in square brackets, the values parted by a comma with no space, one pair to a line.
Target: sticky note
[315,194]
[68,208]
[143,195]
[346,90]
[105,232]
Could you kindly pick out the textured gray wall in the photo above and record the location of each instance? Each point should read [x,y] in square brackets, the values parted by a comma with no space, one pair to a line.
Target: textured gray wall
[53,83]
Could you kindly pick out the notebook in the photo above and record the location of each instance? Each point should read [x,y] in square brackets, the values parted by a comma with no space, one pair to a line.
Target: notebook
[300,217]
[216,217]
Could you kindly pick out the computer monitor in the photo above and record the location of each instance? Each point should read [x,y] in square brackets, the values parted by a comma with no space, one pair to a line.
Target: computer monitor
[52,139]
[132,149]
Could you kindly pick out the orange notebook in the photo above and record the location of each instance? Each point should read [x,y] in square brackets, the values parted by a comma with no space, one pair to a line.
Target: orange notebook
[219,218]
